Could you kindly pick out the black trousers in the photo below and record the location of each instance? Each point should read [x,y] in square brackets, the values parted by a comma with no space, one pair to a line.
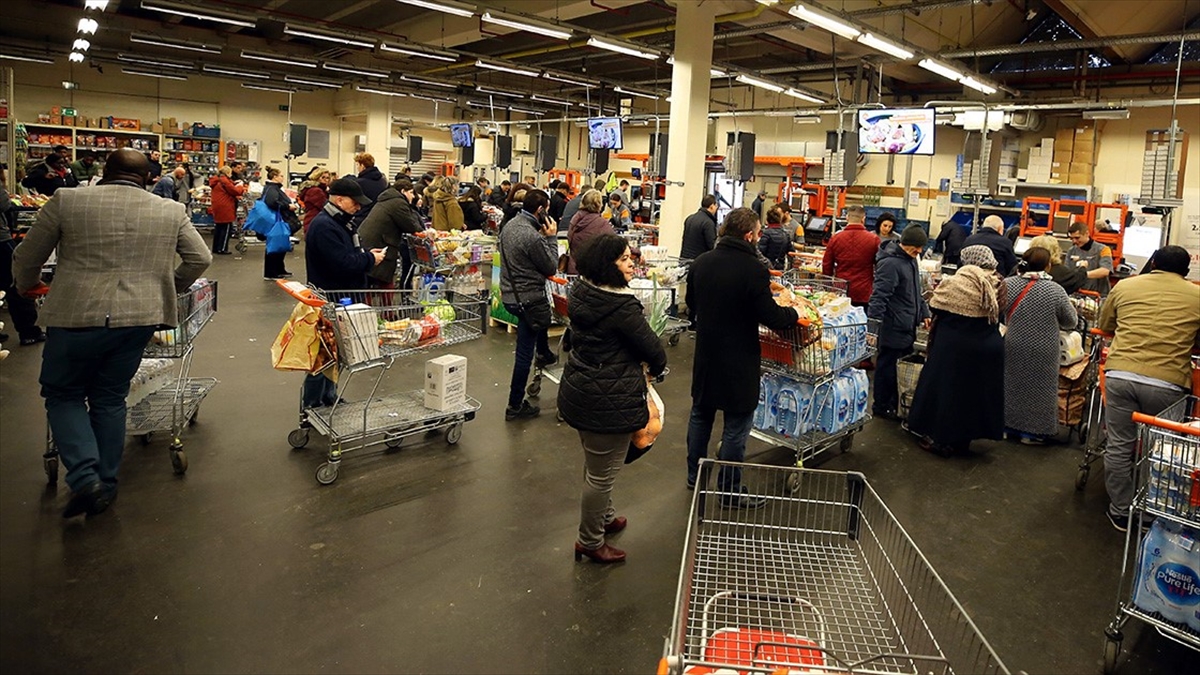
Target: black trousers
[23,310]
[220,242]
[273,264]
[887,394]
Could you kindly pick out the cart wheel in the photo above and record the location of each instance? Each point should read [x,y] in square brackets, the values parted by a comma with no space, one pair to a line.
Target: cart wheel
[192,420]
[454,433]
[147,437]
[394,443]
[793,483]
[179,461]
[240,245]
[1081,478]
[846,443]
[673,340]
[298,438]
[51,466]
[1112,651]
[535,388]
[327,473]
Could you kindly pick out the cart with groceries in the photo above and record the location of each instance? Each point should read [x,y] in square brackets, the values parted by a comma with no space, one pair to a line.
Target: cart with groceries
[812,397]
[1160,571]
[367,332]
[163,396]
[1087,393]
[822,579]
[450,260]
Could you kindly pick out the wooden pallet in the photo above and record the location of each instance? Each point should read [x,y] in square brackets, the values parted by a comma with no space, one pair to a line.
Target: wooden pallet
[493,322]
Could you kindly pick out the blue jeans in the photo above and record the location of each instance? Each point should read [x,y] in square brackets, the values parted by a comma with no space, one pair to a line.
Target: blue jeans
[318,391]
[527,340]
[85,379]
[733,444]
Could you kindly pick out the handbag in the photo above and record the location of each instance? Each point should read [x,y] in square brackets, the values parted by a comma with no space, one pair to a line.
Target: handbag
[260,219]
[279,238]
[536,313]
[292,220]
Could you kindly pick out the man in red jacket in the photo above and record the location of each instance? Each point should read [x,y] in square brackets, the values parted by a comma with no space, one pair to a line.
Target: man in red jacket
[850,255]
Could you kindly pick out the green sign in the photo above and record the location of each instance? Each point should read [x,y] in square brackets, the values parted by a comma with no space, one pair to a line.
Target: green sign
[70,112]
[283,108]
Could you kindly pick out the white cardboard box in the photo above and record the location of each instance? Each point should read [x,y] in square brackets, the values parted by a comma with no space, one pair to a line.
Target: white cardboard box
[446,382]
[358,333]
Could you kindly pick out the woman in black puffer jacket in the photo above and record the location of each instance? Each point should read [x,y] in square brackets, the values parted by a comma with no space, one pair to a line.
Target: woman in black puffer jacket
[603,389]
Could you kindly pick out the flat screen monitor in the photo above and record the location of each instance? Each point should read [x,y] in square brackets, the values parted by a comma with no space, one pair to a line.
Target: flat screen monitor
[817,224]
[1022,245]
[604,133]
[1140,242]
[461,135]
[635,192]
[896,131]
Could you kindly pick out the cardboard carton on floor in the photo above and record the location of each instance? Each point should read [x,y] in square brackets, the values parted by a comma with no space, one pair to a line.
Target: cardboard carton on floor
[446,382]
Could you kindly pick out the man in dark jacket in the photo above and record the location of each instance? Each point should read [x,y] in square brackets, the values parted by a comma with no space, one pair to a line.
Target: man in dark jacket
[371,180]
[991,235]
[558,202]
[500,195]
[49,176]
[385,227]
[700,230]
[897,304]
[950,242]
[731,291]
[774,243]
[570,209]
[529,254]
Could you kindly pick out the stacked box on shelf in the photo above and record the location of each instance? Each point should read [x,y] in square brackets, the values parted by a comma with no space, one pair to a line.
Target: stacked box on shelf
[1083,155]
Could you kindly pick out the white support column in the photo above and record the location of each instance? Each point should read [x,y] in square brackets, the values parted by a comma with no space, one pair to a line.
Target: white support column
[688,131]
[379,130]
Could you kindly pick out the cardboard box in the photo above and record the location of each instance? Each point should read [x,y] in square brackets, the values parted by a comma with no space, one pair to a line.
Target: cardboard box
[1080,178]
[156,128]
[56,119]
[359,325]
[446,382]
[1085,155]
[1080,168]
[56,110]
[1063,138]
[69,120]
[1062,156]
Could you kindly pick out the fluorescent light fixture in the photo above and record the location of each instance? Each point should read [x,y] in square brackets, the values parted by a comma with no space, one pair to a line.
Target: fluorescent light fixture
[505,68]
[825,21]
[151,73]
[500,92]
[1110,114]
[188,45]
[429,83]
[139,60]
[75,57]
[889,48]
[768,3]
[551,99]
[97,5]
[312,82]
[802,96]
[455,8]
[627,48]
[381,92]
[355,70]
[527,25]
[67,84]
[30,59]
[631,92]
[81,45]
[278,59]
[189,12]
[975,84]
[538,113]
[568,80]
[296,31]
[939,68]
[762,84]
[88,26]
[435,99]
[806,119]
[423,53]
[256,74]
[263,87]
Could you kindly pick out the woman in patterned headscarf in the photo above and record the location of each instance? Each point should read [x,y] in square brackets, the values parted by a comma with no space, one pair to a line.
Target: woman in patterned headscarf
[959,397]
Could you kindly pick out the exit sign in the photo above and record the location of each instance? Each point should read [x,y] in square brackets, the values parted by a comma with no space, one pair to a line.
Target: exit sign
[283,108]
[69,112]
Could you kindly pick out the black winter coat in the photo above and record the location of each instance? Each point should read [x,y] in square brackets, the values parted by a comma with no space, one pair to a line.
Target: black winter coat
[950,242]
[1002,248]
[373,184]
[333,260]
[386,225]
[731,292]
[603,388]
[699,235]
[473,216]
[896,300]
[774,244]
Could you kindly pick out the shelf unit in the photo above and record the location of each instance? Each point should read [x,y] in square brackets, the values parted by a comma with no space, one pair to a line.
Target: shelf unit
[204,158]
[202,153]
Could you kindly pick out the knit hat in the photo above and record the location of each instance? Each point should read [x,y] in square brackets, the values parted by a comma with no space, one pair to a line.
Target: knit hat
[978,255]
[914,235]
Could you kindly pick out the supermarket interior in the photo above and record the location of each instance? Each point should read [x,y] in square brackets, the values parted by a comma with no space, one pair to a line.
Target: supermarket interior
[959,383]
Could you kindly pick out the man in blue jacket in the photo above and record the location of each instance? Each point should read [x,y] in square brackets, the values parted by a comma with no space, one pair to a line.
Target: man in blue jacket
[336,262]
[897,304]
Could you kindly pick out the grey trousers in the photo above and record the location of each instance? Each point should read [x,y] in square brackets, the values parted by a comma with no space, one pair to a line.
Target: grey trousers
[603,457]
[1124,398]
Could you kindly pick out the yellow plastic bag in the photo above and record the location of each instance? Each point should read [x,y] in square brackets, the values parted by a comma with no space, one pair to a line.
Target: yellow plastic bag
[298,343]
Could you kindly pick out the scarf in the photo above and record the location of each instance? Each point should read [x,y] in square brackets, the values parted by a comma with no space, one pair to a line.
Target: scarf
[969,292]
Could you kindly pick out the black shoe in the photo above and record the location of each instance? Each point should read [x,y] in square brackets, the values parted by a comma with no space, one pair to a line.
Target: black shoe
[691,484]
[886,414]
[108,495]
[1119,523]
[746,501]
[545,360]
[85,500]
[222,253]
[33,339]
[525,410]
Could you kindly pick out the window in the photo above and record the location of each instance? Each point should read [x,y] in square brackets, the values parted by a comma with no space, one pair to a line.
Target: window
[1052,28]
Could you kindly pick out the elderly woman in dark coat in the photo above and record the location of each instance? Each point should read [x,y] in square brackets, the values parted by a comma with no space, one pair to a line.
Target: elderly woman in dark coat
[966,359]
[610,347]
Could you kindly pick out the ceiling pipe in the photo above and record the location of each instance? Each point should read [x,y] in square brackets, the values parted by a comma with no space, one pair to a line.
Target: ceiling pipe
[916,7]
[1072,45]
[754,30]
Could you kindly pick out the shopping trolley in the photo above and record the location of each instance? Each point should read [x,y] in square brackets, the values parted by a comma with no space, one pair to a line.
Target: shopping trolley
[1168,489]
[825,580]
[1091,430]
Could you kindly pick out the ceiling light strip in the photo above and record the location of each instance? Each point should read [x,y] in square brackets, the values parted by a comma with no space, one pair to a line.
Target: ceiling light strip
[434,54]
[455,8]
[506,68]
[278,59]
[632,92]
[518,23]
[382,92]
[429,83]
[313,82]
[29,59]
[569,80]
[258,75]
[138,59]
[207,15]
[627,48]
[151,73]
[355,70]
[263,87]
[335,38]
[144,39]
[820,20]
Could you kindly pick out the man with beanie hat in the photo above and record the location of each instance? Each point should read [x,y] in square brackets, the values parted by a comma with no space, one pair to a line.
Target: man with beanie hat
[897,304]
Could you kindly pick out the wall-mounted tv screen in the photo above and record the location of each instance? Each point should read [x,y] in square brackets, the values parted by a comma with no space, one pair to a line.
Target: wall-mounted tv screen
[896,131]
[604,133]
[461,135]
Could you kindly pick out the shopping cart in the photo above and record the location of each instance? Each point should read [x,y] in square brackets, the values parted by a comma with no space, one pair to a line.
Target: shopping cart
[1091,430]
[170,399]
[456,259]
[824,580]
[371,330]
[1168,489]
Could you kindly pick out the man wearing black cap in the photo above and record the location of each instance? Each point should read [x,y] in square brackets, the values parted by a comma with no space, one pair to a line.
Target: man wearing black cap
[897,304]
[335,261]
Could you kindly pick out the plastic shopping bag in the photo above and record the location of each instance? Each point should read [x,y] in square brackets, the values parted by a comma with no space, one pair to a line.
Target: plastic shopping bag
[260,219]
[643,439]
[279,238]
[299,342]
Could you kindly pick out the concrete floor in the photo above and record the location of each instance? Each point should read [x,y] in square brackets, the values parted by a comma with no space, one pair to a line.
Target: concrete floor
[458,559]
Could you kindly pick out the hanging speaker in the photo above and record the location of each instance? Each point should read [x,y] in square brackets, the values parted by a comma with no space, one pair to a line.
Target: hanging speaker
[467,155]
[504,145]
[598,161]
[739,157]
[547,155]
[297,139]
[658,155]
[414,149]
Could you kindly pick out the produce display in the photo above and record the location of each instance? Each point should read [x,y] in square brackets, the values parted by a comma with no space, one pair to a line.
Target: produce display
[35,201]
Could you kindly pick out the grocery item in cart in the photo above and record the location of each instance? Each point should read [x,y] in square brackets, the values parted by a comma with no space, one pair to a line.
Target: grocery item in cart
[359,325]
[1168,578]
[747,646]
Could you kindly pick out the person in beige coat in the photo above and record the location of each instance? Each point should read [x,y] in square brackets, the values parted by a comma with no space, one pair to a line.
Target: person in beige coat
[116,283]
[447,212]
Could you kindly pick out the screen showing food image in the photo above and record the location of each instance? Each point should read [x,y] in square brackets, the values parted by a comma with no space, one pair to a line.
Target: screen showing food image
[896,131]
[461,136]
[604,133]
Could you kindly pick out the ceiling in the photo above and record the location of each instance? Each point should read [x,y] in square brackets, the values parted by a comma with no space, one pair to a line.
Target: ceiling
[752,37]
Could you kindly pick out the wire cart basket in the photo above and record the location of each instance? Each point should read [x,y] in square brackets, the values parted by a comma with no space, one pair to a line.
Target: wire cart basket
[371,330]
[166,397]
[1154,590]
[459,260]
[823,581]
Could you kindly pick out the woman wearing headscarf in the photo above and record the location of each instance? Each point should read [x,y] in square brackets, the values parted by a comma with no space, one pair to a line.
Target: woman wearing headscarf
[966,360]
[618,212]
[1035,310]
[447,213]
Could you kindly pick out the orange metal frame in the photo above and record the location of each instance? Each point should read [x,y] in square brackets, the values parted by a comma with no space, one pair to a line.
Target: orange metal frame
[1028,228]
[1114,240]
[571,176]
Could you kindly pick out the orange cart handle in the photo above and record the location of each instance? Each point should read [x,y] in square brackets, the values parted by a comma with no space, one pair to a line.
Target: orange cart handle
[1093,294]
[558,280]
[1101,333]
[1142,418]
[775,273]
[300,292]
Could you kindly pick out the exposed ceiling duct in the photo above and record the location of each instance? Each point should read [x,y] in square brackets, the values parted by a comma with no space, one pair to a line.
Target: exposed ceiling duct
[916,7]
[1072,45]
